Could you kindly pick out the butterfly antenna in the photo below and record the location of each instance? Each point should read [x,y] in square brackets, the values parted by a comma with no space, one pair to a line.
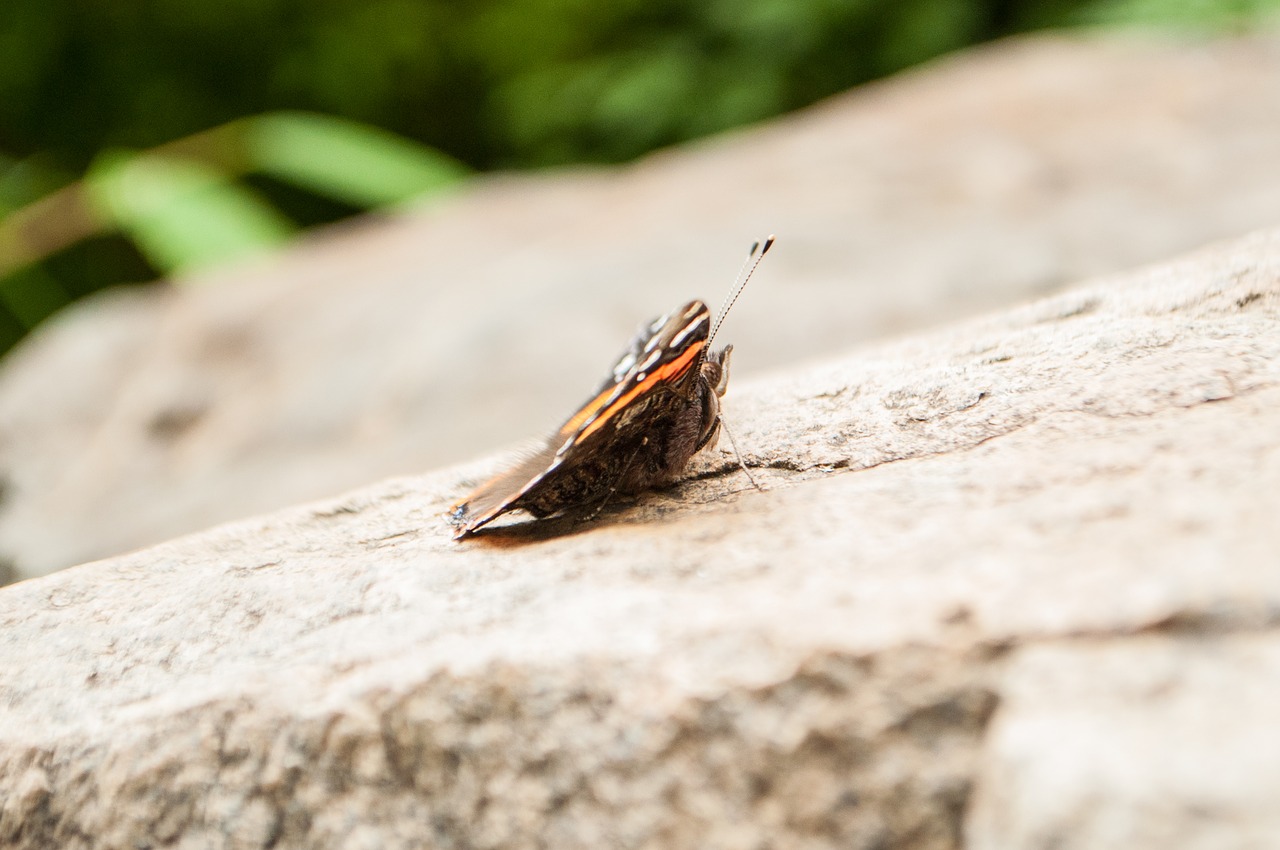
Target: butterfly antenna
[740,283]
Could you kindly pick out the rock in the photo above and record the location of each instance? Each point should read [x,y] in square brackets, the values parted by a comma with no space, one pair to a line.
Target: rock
[393,346]
[1011,584]
[1159,740]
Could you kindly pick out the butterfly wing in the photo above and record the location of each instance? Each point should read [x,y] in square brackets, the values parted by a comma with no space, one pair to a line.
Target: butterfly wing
[666,354]
[592,450]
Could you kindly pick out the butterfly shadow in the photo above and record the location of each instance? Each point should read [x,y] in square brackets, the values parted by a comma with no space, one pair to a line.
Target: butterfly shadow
[530,530]
[682,498]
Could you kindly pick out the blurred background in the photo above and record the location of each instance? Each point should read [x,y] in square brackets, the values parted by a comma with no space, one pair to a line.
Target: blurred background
[148,139]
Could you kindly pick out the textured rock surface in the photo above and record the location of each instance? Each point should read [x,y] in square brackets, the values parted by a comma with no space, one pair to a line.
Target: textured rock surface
[1013,585]
[396,347]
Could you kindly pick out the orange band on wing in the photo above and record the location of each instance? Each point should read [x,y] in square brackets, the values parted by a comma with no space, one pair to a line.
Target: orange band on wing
[664,373]
[588,410]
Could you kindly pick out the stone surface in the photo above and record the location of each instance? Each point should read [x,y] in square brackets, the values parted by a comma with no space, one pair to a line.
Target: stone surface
[395,346]
[1155,741]
[1011,584]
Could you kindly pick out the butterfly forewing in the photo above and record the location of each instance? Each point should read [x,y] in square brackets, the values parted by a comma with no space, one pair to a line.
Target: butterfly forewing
[625,438]
[664,357]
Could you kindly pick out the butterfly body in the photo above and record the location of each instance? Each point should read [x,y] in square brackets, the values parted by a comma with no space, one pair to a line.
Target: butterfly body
[656,410]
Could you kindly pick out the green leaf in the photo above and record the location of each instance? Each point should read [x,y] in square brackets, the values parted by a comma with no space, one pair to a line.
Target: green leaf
[182,215]
[1190,14]
[31,295]
[356,163]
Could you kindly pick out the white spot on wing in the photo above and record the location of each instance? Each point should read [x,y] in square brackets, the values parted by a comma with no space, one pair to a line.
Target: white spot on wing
[688,329]
[624,365]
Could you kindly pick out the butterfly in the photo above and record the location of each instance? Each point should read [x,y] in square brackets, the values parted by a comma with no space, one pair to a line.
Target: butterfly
[659,406]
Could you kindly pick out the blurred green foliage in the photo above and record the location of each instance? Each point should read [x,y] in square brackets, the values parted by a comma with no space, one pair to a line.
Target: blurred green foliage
[139,139]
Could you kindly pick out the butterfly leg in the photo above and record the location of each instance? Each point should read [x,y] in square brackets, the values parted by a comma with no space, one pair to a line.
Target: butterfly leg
[734,443]
[717,420]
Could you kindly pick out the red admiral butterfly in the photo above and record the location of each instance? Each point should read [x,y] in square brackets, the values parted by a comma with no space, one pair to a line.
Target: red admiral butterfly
[659,407]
